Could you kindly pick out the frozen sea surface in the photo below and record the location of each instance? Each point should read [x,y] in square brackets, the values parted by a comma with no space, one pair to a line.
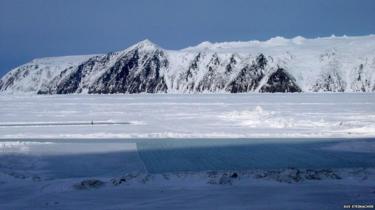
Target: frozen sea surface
[107,157]
[257,151]
[186,173]
[162,156]
[188,116]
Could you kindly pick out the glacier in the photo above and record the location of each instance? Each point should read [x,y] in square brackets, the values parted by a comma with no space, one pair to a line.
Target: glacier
[329,64]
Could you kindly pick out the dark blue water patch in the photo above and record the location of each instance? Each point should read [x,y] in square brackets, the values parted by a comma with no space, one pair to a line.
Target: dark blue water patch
[241,154]
[86,165]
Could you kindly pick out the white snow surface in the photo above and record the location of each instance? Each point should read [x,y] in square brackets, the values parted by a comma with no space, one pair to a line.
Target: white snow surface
[306,59]
[188,116]
[32,76]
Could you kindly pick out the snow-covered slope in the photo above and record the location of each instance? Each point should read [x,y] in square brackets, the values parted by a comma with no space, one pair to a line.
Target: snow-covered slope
[37,74]
[336,64]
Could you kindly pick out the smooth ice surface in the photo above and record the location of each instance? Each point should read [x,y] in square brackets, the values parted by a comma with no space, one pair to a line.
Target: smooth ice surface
[166,173]
[68,159]
[188,116]
[161,156]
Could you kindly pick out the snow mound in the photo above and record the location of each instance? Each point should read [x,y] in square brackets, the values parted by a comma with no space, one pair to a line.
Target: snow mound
[258,118]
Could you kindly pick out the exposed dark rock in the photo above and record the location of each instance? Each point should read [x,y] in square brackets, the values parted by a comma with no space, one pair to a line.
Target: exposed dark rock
[361,82]
[280,81]
[249,77]
[225,180]
[331,79]
[293,175]
[71,83]
[229,67]
[188,76]
[89,184]
[211,80]
[331,83]
[134,73]
[124,179]
[234,175]
[145,68]
[118,181]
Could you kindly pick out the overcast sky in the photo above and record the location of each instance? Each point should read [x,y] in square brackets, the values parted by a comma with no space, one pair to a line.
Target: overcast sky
[40,28]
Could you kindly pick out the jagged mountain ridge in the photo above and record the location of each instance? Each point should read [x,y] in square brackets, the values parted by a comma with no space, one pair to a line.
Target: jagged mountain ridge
[335,64]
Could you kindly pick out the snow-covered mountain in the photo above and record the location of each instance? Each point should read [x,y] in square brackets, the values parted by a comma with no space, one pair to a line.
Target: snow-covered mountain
[336,64]
[36,75]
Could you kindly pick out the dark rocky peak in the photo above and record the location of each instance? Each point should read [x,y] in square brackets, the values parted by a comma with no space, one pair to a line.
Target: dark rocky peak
[261,61]
[193,68]
[214,60]
[280,81]
[138,69]
[232,59]
[70,81]
[249,77]
[194,63]
[360,72]
[141,53]
[232,62]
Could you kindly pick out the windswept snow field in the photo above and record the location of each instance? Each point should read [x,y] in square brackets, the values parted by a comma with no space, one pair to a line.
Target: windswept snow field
[242,151]
[188,116]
